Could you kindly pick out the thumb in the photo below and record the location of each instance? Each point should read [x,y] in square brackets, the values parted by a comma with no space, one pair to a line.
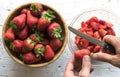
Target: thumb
[103,57]
[86,66]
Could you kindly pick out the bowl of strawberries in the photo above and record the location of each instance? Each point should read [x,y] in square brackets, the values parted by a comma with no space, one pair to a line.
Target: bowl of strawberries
[34,35]
[96,23]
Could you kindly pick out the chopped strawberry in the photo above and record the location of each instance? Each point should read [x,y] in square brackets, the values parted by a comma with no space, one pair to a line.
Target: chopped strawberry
[49,53]
[36,9]
[55,44]
[77,39]
[110,31]
[55,30]
[39,50]
[102,32]
[80,53]
[28,45]
[83,24]
[96,35]
[18,22]
[31,20]
[9,34]
[90,48]
[94,26]
[30,58]
[84,43]
[93,19]
[96,49]
[45,20]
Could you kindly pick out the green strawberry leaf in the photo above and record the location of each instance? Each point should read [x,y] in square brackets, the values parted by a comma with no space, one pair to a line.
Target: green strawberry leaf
[11,46]
[40,51]
[31,41]
[48,15]
[39,36]
[57,33]
[13,25]
[21,56]
[34,7]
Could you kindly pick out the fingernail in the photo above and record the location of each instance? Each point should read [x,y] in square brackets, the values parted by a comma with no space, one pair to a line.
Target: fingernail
[86,58]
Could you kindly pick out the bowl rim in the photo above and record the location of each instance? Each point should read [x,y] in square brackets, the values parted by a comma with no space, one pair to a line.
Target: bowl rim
[35,65]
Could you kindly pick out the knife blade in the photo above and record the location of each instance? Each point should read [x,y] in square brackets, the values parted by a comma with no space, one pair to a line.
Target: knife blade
[104,45]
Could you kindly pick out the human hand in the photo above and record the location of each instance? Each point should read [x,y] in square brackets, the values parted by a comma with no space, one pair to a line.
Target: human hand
[77,68]
[114,59]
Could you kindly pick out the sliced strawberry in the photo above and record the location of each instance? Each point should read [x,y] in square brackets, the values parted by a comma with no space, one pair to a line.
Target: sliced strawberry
[83,25]
[90,48]
[92,19]
[80,53]
[110,31]
[84,43]
[96,35]
[96,49]
[102,32]
[49,53]
[77,39]
[94,26]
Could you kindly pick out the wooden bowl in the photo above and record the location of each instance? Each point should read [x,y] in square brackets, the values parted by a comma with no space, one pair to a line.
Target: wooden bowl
[16,12]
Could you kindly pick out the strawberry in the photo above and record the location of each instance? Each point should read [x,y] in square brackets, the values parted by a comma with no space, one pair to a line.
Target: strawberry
[94,25]
[102,32]
[80,53]
[22,34]
[36,9]
[45,20]
[28,45]
[31,20]
[16,46]
[49,53]
[55,44]
[39,50]
[37,37]
[55,30]
[96,49]
[24,11]
[18,22]
[92,19]
[84,43]
[30,58]
[9,34]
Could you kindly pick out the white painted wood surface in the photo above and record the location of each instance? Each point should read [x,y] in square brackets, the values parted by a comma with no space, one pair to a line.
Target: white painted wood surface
[68,9]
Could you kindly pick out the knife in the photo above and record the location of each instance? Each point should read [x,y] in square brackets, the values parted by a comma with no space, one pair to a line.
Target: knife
[104,45]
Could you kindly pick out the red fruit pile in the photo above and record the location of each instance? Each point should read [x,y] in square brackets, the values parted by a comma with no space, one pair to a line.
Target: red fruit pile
[95,28]
[35,35]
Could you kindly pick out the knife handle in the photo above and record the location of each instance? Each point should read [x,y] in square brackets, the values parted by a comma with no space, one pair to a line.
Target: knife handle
[108,46]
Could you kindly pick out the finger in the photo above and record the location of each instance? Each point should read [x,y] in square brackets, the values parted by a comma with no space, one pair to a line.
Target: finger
[103,57]
[69,71]
[115,41]
[86,66]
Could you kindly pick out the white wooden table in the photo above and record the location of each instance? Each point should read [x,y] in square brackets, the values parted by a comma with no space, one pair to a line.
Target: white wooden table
[68,9]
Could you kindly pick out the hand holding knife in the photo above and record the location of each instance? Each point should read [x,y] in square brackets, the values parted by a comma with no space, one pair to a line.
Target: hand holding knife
[93,40]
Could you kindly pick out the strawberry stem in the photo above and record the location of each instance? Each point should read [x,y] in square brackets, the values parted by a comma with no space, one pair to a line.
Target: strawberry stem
[13,25]
[57,33]
[91,54]
[48,15]
[34,7]
[40,51]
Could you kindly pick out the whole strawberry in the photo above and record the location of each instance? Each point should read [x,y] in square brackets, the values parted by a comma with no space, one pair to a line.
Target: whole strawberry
[22,34]
[9,34]
[16,46]
[24,11]
[28,45]
[31,20]
[18,22]
[49,53]
[39,50]
[45,20]
[36,9]
[55,44]
[30,58]
[55,30]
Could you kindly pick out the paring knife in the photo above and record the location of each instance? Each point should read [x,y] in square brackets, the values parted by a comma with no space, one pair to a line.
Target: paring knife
[93,40]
